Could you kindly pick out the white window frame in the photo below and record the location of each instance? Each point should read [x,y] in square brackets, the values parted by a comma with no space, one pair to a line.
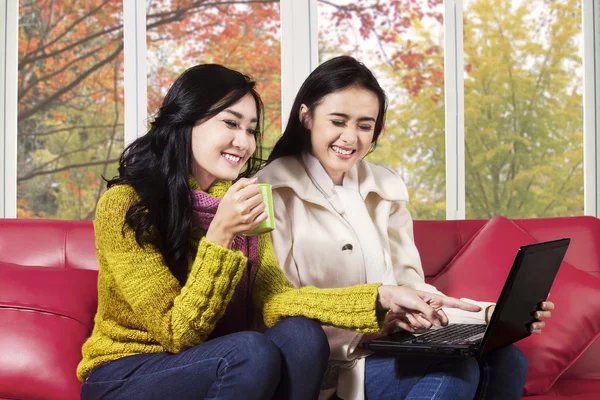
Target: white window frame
[299,49]
[454,95]
[9,18]
[591,104]
[135,75]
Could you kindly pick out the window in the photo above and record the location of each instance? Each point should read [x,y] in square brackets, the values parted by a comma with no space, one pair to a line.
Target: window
[401,41]
[523,64]
[523,108]
[70,116]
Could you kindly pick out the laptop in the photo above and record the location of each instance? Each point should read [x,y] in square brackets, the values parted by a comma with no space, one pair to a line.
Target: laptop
[528,284]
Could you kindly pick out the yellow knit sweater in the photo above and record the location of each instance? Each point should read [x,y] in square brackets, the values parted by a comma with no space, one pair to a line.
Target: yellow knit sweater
[143,309]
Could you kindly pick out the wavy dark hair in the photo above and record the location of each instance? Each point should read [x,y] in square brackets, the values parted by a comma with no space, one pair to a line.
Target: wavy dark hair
[158,164]
[332,76]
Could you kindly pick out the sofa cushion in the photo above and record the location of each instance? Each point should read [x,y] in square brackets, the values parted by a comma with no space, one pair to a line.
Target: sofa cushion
[45,316]
[479,271]
[577,387]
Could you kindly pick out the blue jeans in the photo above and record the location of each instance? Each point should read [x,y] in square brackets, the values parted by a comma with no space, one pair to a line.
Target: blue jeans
[286,362]
[499,375]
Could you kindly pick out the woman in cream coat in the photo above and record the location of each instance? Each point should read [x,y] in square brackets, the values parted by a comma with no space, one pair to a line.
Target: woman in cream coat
[341,221]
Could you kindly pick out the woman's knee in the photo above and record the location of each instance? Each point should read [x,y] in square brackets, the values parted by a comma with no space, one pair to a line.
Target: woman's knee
[258,353]
[308,336]
[307,329]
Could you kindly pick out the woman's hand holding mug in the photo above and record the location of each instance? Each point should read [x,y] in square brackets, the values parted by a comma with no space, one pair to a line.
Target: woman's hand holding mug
[241,209]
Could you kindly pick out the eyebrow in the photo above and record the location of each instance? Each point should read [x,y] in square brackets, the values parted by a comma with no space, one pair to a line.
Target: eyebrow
[348,117]
[239,115]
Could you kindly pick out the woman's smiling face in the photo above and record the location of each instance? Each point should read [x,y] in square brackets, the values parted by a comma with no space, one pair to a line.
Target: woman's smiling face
[341,129]
[221,145]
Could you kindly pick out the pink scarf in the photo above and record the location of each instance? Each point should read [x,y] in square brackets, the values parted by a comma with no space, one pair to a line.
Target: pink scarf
[239,312]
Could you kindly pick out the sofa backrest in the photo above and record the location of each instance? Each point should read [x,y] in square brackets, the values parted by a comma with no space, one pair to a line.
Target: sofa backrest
[451,236]
[48,243]
[70,244]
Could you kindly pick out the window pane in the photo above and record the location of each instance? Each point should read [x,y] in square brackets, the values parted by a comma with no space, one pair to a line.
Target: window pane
[523,108]
[240,35]
[401,41]
[70,120]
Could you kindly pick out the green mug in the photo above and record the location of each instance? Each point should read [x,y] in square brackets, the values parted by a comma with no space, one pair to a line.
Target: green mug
[269,224]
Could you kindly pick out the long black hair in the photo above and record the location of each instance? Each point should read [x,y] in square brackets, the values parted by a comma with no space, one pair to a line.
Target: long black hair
[158,164]
[332,76]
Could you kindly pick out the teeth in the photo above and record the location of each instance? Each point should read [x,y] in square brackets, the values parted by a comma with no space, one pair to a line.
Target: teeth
[340,151]
[232,158]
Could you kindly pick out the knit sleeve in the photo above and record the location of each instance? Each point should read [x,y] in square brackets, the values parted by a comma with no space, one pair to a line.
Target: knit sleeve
[177,317]
[351,308]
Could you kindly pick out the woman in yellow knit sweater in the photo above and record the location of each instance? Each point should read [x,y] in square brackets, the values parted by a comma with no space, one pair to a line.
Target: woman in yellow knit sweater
[179,287]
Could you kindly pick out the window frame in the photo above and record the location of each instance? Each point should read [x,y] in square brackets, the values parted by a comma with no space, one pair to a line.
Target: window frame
[591,104]
[9,15]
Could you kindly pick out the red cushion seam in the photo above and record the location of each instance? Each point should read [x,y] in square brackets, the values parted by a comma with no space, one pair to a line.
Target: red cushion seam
[45,312]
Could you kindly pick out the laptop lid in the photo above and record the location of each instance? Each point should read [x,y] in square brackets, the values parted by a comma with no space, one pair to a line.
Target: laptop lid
[527,285]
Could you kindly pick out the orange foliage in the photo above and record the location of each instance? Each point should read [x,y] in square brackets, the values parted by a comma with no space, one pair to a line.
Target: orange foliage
[67,46]
[22,211]
[65,49]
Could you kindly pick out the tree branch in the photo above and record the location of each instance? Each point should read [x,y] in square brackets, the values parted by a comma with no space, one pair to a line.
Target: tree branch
[562,187]
[53,171]
[477,179]
[55,53]
[112,139]
[51,132]
[67,30]
[63,155]
[23,115]
[43,78]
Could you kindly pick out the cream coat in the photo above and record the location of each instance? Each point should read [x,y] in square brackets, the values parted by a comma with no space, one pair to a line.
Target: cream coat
[310,235]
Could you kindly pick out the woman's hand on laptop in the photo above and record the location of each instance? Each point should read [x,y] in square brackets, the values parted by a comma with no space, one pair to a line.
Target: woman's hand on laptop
[417,307]
[543,311]
[412,322]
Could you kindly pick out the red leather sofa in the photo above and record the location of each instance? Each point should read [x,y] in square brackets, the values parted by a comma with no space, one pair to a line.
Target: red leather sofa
[48,298]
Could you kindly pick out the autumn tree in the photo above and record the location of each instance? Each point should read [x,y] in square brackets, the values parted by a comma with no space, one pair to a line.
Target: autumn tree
[523,109]
[70,122]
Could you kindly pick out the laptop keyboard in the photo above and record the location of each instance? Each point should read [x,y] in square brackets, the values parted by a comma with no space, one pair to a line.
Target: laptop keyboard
[451,334]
